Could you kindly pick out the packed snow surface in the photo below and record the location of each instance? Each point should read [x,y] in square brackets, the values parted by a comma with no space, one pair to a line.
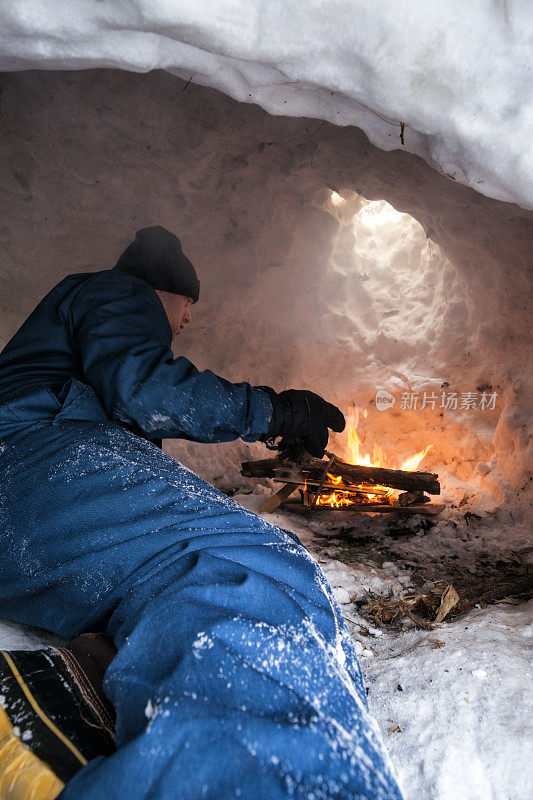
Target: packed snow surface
[454,704]
[450,81]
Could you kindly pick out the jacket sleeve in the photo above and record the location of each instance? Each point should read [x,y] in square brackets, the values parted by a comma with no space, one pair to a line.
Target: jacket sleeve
[122,337]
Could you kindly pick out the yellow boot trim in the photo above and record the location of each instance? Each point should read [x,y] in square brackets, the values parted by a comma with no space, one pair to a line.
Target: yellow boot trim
[23,776]
[40,713]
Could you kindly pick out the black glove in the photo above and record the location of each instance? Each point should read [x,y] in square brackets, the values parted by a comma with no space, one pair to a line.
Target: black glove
[298,414]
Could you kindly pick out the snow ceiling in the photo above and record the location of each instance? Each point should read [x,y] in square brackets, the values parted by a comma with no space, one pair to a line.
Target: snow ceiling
[327,261]
[456,75]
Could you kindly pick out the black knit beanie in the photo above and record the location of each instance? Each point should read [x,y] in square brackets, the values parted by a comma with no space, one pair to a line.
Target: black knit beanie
[156,257]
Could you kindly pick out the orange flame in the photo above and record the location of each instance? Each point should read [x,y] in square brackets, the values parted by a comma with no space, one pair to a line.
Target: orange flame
[334,500]
[411,464]
[365,493]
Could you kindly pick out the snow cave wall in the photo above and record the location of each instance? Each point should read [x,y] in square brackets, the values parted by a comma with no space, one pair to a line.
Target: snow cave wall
[304,284]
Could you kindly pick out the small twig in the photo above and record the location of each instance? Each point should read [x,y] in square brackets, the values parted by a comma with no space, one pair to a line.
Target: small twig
[323,479]
[388,121]
[402,131]
[187,84]
[335,457]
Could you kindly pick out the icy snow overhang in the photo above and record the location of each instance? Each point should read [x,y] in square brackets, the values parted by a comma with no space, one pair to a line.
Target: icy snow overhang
[449,81]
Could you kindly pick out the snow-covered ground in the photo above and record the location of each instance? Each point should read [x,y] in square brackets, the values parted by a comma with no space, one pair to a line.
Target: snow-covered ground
[454,704]
[449,81]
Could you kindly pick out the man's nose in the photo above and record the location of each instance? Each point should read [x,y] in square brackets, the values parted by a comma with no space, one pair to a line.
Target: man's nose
[187,317]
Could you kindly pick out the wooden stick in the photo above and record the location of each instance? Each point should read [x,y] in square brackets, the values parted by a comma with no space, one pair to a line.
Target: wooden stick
[277,498]
[313,470]
[334,487]
[323,479]
[430,509]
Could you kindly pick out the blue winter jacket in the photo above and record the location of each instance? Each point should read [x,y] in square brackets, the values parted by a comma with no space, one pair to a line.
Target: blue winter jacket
[109,330]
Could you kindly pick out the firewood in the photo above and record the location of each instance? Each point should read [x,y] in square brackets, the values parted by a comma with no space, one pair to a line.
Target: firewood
[313,470]
[408,498]
[495,590]
[328,487]
[275,500]
[345,512]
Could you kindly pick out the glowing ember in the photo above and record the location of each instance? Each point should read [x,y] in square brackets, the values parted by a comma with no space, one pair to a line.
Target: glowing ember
[347,494]
[335,500]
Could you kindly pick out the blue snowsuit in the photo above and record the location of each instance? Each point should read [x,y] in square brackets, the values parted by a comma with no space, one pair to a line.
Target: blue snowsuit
[235,675]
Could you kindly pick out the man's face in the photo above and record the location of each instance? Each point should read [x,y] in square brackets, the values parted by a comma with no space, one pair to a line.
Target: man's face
[178,310]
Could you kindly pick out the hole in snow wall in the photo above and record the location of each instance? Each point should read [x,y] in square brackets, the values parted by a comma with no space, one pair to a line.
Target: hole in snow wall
[306,281]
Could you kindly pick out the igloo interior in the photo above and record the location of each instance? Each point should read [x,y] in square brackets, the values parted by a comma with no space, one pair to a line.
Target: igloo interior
[303,282]
[329,264]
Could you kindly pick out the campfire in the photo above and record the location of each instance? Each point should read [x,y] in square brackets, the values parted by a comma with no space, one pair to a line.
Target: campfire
[346,492]
[363,482]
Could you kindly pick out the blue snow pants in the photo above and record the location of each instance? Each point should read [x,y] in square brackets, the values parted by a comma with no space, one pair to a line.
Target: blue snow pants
[235,676]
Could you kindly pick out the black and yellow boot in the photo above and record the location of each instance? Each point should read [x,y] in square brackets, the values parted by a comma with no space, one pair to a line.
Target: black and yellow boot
[54,716]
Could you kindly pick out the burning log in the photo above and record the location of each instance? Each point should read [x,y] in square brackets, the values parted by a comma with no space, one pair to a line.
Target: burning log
[313,471]
[346,513]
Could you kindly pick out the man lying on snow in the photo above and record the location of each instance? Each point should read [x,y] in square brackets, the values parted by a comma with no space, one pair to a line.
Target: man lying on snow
[235,675]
